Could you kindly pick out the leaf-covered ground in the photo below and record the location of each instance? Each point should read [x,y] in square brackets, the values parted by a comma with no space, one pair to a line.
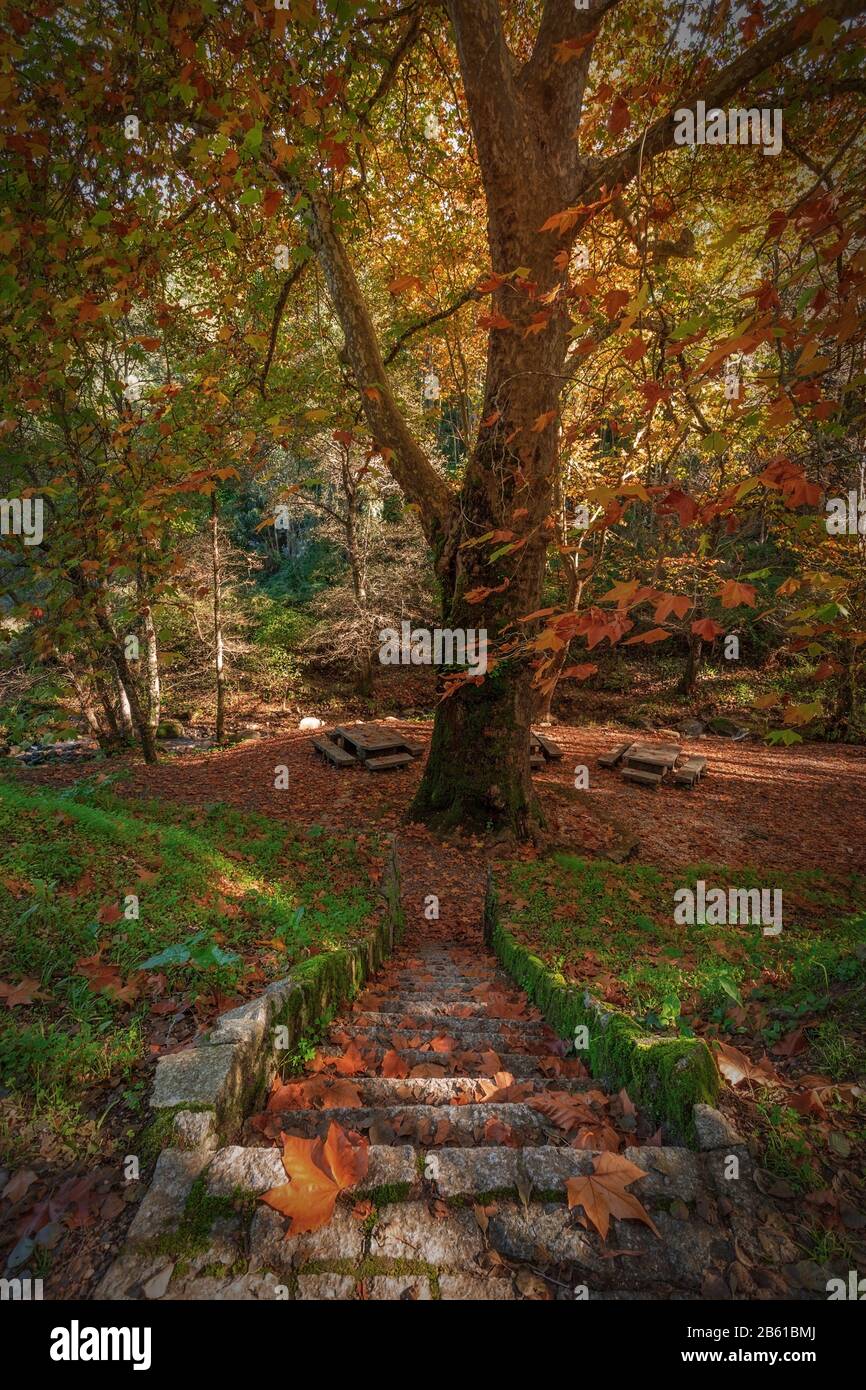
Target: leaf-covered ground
[219,836]
[780,808]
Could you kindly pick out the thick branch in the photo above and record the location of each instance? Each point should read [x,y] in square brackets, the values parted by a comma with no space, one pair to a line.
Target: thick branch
[554,89]
[407,461]
[765,53]
[495,107]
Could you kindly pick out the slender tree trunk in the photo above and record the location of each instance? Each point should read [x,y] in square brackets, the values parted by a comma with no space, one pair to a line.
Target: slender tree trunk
[154,692]
[124,709]
[689,678]
[104,694]
[88,708]
[357,568]
[217,620]
[127,687]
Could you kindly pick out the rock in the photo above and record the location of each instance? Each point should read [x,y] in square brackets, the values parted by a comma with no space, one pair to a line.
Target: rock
[163,1204]
[158,1283]
[726,728]
[712,1129]
[310,722]
[195,1129]
[125,1277]
[243,1288]
[326,1286]
[196,1076]
[472,1288]
[407,1231]
[341,1239]
[406,1287]
[460,1172]
[250,1170]
[691,728]
[170,728]
[543,1235]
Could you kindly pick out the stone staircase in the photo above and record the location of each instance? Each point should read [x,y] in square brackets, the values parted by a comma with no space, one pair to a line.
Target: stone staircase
[465,1192]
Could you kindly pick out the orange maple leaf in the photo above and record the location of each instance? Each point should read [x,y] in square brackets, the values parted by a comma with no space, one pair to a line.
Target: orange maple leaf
[733,593]
[318,1172]
[603,1193]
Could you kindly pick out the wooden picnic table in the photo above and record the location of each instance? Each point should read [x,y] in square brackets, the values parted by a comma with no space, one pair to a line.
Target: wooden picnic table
[655,757]
[369,740]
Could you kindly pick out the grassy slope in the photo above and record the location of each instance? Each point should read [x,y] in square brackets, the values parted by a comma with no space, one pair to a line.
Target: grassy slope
[611,927]
[67,865]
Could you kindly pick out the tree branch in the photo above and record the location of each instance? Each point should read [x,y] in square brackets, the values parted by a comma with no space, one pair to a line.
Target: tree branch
[407,461]
[399,343]
[288,284]
[554,89]
[767,51]
[389,76]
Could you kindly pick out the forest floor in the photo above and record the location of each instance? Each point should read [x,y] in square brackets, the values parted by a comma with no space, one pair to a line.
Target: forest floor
[796,813]
[792,808]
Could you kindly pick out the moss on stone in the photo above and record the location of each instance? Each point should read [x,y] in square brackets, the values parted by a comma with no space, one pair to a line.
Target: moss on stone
[386,1194]
[666,1076]
[193,1234]
[159,1134]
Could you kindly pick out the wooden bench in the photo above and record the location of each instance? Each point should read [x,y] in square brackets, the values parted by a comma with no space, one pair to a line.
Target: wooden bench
[550,749]
[646,779]
[333,752]
[612,758]
[389,760]
[689,772]
[536,760]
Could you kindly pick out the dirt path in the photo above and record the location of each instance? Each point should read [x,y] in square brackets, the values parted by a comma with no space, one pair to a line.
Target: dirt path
[477,1122]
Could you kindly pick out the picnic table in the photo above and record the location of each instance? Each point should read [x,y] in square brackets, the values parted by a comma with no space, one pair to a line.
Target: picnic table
[649,763]
[374,747]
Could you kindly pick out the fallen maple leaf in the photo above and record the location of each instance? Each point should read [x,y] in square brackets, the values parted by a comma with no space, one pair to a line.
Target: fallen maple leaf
[565,1109]
[393,1065]
[24,992]
[318,1172]
[351,1062]
[736,1067]
[602,1194]
[17,1186]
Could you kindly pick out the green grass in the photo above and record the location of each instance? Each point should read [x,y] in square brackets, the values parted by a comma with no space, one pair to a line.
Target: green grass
[258,895]
[612,927]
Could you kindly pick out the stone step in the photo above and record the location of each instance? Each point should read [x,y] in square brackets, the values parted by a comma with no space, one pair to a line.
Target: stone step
[430,1007]
[443,1090]
[520,1064]
[425,1124]
[479,1040]
[672,1173]
[436,1025]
